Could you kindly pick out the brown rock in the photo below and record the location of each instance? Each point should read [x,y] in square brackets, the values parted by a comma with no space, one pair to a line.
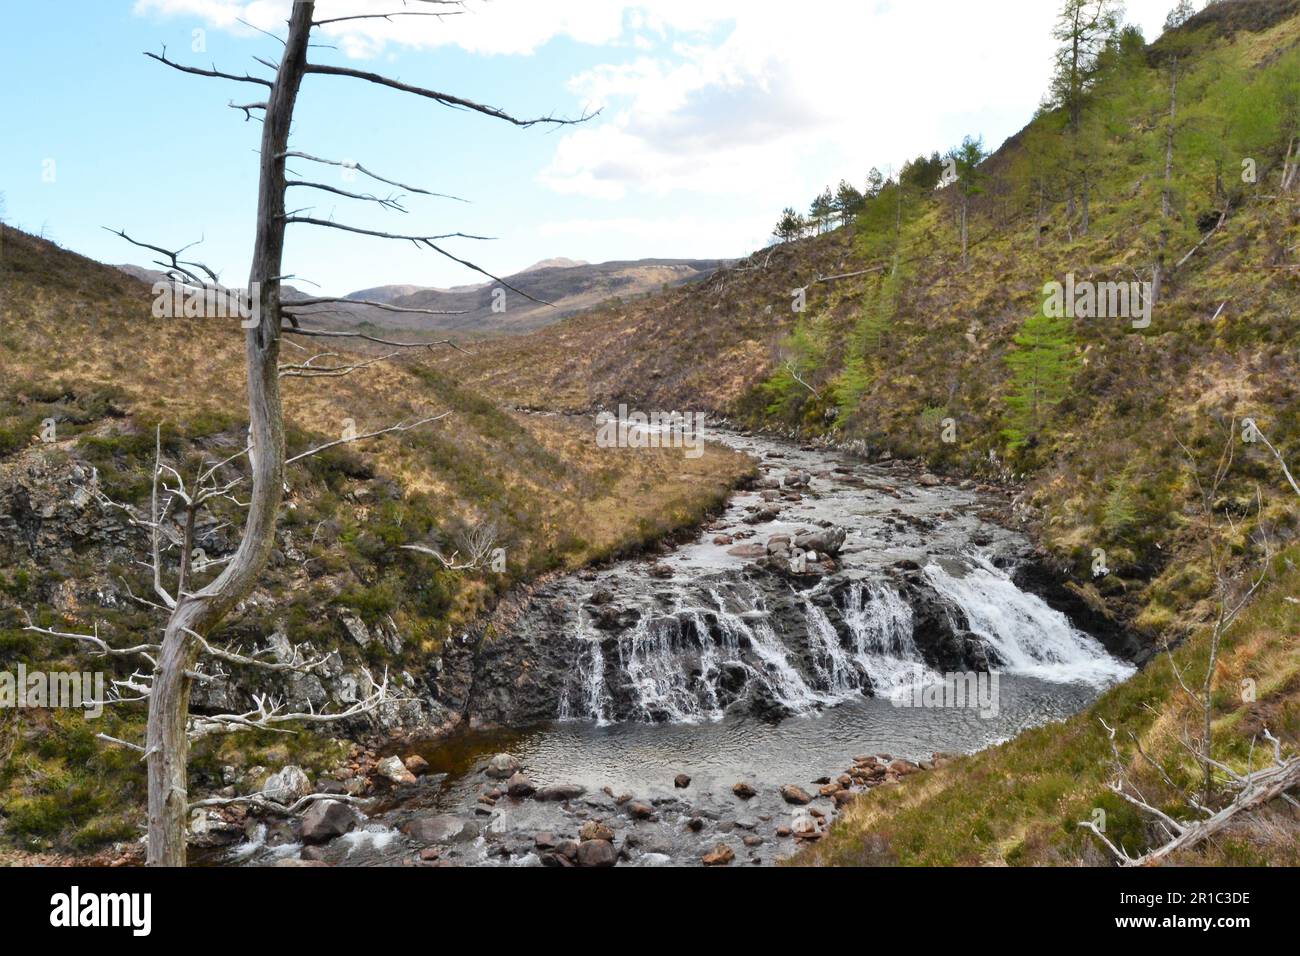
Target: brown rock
[520,787]
[416,764]
[720,855]
[597,853]
[681,781]
[640,811]
[744,791]
[595,830]
[796,795]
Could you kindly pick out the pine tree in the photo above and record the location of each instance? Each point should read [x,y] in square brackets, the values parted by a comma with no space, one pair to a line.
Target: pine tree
[967,158]
[1180,14]
[790,226]
[1043,366]
[821,211]
[848,202]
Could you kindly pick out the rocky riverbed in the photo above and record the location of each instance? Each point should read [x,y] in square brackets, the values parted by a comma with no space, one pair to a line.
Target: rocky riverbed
[719,703]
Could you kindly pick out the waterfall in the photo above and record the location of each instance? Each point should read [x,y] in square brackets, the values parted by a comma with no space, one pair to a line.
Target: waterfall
[881,624]
[584,695]
[657,662]
[1028,636]
[834,666]
[718,644]
[781,677]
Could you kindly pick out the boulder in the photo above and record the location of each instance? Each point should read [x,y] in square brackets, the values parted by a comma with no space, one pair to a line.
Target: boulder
[519,787]
[502,766]
[595,830]
[441,828]
[288,786]
[720,855]
[597,853]
[393,770]
[744,791]
[416,764]
[640,811]
[560,792]
[824,541]
[326,820]
[209,829]
[795,795]
[681,781]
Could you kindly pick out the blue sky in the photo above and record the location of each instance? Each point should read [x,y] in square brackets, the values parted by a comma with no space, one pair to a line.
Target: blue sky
[715,115]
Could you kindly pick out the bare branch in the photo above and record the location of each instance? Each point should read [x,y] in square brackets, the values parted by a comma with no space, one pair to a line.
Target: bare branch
[309,370]
[399,13]
[214,72]
[365,172]
[265,802]
[366,337]
[390,202]
[348,441]
[446,99]
[427,241]
[327,300]
[101,647]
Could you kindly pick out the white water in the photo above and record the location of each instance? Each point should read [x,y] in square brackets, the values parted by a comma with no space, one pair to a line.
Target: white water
[834,667]
[881,622]
[1029,637]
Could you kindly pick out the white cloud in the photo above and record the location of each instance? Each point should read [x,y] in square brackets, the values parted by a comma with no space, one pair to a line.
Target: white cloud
[678,236]
[794,96]
[758,99]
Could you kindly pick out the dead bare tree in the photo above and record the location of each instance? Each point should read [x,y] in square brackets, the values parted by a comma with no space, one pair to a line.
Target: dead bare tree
[1213,803]
[193,614]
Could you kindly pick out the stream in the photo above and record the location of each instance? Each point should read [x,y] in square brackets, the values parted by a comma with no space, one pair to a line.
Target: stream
[814,624]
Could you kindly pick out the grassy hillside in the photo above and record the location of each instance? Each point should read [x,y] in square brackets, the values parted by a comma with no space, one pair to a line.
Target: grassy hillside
[911,349]
[78,345]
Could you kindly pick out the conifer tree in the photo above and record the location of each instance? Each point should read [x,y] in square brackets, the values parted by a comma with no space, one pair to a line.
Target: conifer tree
[1043,366]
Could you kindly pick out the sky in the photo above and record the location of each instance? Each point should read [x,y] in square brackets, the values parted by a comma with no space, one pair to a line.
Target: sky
[714,115]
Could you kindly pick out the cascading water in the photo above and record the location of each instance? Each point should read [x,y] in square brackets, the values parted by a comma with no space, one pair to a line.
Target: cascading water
[835,670]
[723,626]
[881,624]
[1028,637]
[584,693]
[781,677]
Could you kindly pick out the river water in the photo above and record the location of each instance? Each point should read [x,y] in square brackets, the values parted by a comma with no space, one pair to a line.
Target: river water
[713,662]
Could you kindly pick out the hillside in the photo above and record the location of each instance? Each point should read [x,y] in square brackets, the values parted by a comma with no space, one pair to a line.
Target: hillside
[912,348]
[79,346]
[561,287]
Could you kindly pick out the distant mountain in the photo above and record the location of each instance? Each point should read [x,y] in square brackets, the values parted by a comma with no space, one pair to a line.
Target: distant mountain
[557,263]
[386,293]
[561,287]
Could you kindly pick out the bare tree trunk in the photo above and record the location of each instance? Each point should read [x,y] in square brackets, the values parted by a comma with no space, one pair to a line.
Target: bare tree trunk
[197,614]
[965,212]
[1038,220]
[1087,203]
[1166,195]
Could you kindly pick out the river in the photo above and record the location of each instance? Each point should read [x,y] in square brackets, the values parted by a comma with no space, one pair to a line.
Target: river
[743,657]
